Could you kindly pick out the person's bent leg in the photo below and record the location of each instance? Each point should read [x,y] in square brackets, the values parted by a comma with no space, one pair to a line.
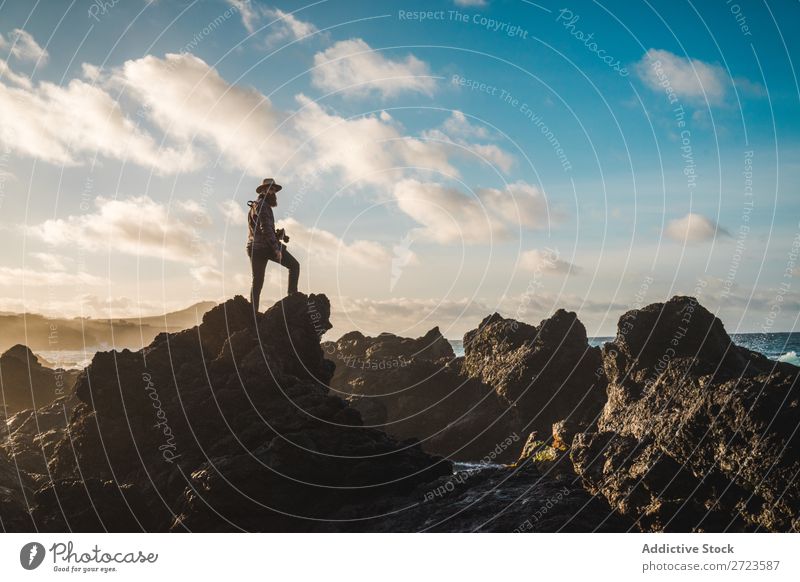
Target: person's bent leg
[288,261]
[258,263]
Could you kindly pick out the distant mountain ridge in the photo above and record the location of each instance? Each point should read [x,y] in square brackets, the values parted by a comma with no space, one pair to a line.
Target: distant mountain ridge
[42,333]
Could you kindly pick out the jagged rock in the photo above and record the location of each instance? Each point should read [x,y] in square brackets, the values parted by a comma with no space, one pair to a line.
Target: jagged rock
[415,388]
[228,426]
[32,435]
[549,373]
[697,433]
[27,384]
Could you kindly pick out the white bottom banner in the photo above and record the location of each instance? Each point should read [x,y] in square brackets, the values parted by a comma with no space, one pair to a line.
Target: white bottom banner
[400,557]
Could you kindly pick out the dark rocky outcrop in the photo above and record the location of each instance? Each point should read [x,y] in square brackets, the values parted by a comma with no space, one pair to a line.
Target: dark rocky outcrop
[226,426]
[416,388]
[514,378]
[697,433]
[549,373]
[31,435]
[231,426]
[27,384]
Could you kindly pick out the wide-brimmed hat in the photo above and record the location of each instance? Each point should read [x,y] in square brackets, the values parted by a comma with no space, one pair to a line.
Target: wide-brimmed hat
[266,184]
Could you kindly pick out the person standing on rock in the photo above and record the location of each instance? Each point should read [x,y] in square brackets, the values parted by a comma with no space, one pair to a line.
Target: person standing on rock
[263,244]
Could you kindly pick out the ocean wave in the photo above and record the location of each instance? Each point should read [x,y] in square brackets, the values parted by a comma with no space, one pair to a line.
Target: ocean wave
[790,357]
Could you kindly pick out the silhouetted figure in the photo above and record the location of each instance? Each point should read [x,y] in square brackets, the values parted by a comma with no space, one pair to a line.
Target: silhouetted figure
[263,244]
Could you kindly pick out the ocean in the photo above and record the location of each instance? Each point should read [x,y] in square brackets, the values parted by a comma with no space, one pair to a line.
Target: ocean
[784,347]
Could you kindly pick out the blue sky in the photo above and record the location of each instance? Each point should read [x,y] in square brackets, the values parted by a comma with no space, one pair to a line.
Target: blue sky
[440,161]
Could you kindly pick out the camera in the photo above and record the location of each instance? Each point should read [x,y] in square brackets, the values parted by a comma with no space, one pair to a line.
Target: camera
[280,234]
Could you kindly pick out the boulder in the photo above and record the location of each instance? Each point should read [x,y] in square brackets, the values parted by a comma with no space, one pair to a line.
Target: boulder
[227,426]
[698,434]
[416,388]
[27,384]
[547,373]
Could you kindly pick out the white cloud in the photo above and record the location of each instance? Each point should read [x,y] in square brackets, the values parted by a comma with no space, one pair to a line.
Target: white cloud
[23,46]
[546,261]
[458,130]
[91,72]
[287,27]
[249,12]
[323,245]
[14,78]
[458,125]
[693,228]
[233,212]
[189,100]
[691,79]
[449,215]
[364,148]
[69,125]
[10,277]
[137,226]
[355,69]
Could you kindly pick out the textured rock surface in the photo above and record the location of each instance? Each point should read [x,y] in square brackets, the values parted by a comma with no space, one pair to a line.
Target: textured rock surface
[26,383]
[31,436]
[698,433]
[549,373]
[415,388]
[225,426]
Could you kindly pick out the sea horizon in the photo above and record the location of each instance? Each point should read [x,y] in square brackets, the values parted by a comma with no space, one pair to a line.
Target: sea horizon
[780,346]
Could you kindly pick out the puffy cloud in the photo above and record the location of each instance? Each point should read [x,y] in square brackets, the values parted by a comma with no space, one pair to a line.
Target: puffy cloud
[136,226]
[458,125]
[284,26]
[457,130]
[693,228]
[189,100]
[449,215]
[546,261]
[365,148]
[197,109]
[691,79]
[249,11]
[14,78]
[287,27]
[23,46]
[355,69]
[325,246]
[233,212]
[70,124]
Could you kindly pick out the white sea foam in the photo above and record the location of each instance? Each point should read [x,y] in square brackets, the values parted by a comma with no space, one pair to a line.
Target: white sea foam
[790,357]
